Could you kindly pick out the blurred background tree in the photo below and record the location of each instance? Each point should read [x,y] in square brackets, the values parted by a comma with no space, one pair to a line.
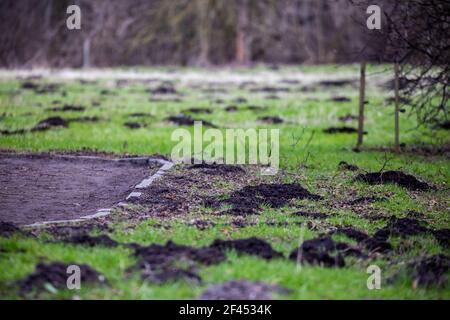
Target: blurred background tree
[181,32]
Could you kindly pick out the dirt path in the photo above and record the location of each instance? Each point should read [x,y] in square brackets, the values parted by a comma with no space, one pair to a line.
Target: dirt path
[35,188]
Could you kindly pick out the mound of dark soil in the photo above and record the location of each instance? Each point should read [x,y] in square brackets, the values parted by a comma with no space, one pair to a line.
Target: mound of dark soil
[50,123]
[336,83]
[270,89]
[157,255]
[347,166]
[44,125]
[92,241]
[200,110]
[442,236]
[373,244]
[164,89]
[401,227]
[271,120]
[313,215]
[140,115]
[249,199]
[240,100]
[242,290]
[333,130]
[8,229]
[40,88]
[68,108]
[431,271]
[402,179]
[255,108]
[217,169]
[251,246]
[185,120]
[323,252]
[56,275]
[133,125]
[340,99]
[231,109]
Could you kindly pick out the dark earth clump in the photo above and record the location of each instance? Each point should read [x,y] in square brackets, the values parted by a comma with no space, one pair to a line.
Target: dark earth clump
[270,89]
[347,166]
[402,227]
[256,108]
[249,199]
[336,83]
[252,246]
[8,229]
[199,110]
[49,123]
[333,130]
[40,88]
[373,244]
[402,179]
[231,109]
[442,236]
[91,241]
[132,125]
[271,119]
[69,107]
[217,169]
[242,290]
[324,252]
[141,115]
[157,255]
[159,263]
[240,100]
[431,271]
[186,120]
[56,275]
[44,125]
[340,99]
[313,215]
[164,89]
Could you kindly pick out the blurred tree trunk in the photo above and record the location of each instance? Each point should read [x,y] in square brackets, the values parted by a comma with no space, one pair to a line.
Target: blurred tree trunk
[242,54]
[203,26]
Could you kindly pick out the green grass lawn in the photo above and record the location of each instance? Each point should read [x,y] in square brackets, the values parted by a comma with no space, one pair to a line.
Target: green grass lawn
[308,156]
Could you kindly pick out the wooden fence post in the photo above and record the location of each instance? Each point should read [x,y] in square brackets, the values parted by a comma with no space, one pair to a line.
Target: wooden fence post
[397,107]
[362,99]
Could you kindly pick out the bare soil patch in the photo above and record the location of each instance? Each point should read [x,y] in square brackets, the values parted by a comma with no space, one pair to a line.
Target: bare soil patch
[56,275]
[37,188]
[324,252]
[242,290]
